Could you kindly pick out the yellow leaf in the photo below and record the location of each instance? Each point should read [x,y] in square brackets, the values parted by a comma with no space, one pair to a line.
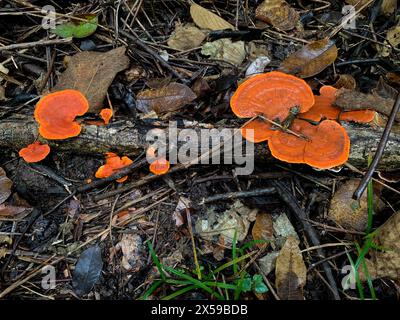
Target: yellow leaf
[205,19]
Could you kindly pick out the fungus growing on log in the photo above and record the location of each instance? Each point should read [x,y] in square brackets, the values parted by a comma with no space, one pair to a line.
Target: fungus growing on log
[56,113]
[324,108]
[327,144]
[274,95]
[280,98]
[113,164]
[159,166]
[106,114]
[34,152]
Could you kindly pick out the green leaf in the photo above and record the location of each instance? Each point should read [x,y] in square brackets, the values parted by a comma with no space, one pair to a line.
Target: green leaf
[246,284]
[259,285]
[78,28]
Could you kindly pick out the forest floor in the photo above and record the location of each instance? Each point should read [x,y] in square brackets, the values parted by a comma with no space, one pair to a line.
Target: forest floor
[285,230]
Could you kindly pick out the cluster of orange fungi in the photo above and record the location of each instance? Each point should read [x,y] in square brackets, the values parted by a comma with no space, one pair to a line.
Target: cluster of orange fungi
[55,114]
[280,97]
[113,165]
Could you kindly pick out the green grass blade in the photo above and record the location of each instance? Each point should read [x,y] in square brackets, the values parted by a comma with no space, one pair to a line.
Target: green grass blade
[234,254]
[370,201]
[156,261]
[358,282]
[153,287]
[196,282]
[179,292]
[233,262]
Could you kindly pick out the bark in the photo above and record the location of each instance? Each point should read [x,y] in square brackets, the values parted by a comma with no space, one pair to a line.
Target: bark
[123,137]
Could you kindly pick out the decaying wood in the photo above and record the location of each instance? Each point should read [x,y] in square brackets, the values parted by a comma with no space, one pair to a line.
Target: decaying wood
[353,100]
[123,137]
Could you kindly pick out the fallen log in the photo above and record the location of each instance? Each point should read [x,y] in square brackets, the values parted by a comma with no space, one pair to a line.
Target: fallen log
[124,137]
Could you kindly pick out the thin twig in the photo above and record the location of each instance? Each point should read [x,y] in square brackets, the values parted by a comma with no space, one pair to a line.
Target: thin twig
[35,44]
[379,151]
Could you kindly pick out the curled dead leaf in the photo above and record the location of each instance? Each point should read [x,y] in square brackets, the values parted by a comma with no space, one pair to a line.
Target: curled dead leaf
[347,212]
[346,81]
[311,59]
[278,13]
[165,99]
[186,37]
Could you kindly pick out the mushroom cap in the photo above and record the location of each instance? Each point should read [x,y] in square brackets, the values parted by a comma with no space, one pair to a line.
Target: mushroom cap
[159,166]
[113,164]
[106,114]
[56,113]
[288,147]
[34,152]
[324,108]
[272,94]
[261,131]
[328,144]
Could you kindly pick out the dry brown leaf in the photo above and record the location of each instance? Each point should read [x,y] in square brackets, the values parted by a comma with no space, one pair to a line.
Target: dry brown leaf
[386,263]
[347,212]
[278,13]
[5,186]
[186,37]
[345,81]
[205,19]
[262,229]
[10,211]
[388,7]
[290,271]
[92,73]
[166,99]
[310,59]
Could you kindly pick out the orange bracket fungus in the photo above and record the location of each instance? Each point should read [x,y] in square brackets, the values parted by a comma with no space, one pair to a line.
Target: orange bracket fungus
[327,144]
[34,152]
[56,113]
[106,114]
[274,95]
[113,164]
[324,108]
[157,166]
[277,97]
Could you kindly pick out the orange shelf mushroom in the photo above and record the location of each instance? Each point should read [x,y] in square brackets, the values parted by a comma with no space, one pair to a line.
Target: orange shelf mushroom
[113,164]
[106,114]
[324,108]
[272,95]
[56,113]
[34,152]
[159,166]
[327,146]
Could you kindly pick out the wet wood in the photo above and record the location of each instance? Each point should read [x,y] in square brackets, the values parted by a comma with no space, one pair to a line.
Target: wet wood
[124,137]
